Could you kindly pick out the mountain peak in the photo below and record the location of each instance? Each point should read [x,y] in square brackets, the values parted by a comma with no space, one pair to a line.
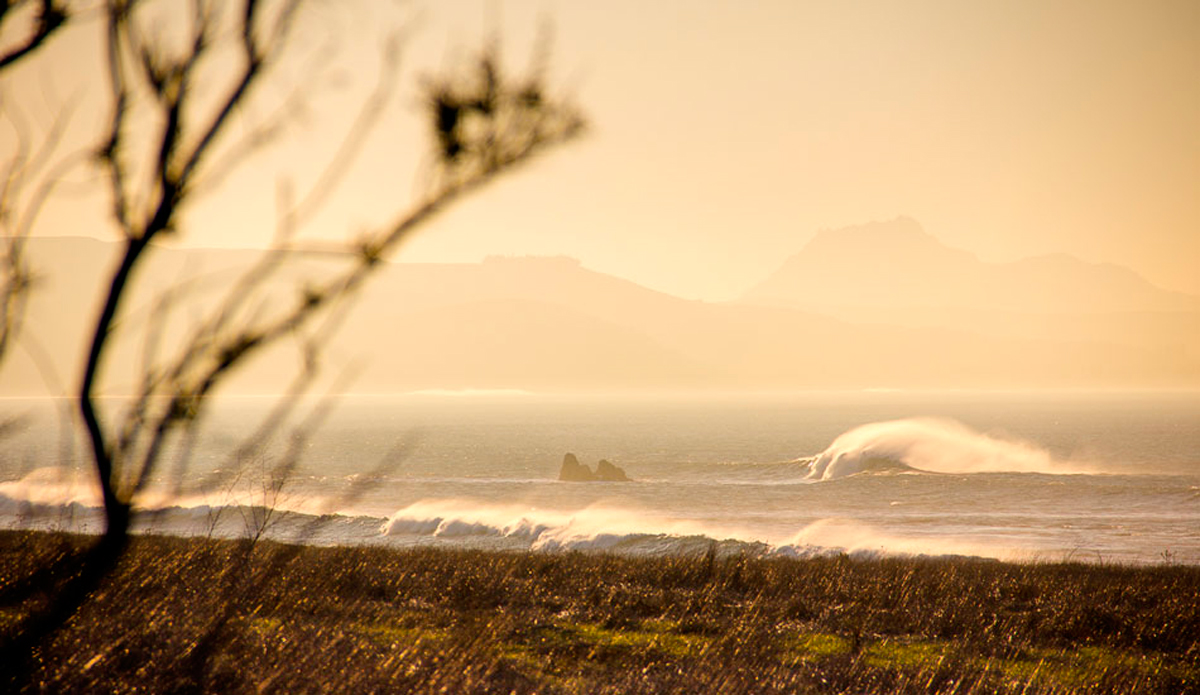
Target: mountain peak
[900,229]
[881,243]
[863,265]
[897,265]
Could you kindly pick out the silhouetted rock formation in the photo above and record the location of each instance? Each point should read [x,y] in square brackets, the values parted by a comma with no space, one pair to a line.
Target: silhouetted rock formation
[607,471]
[574,471]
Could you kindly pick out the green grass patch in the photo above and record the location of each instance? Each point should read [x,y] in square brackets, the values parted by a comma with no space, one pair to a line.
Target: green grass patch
[651,635]
[1077,668]
[813,646]
[386,634]
[904,654]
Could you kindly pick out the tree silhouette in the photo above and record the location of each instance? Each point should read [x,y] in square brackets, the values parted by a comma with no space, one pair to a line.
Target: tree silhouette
[48,17]
[483,123]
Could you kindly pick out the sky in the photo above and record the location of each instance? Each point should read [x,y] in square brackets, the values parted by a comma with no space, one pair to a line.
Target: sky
[724,135]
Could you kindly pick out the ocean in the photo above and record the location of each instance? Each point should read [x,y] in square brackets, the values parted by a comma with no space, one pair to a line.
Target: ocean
[1092,477]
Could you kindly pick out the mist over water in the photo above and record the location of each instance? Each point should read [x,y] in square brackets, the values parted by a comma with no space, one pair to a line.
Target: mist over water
[1108,477]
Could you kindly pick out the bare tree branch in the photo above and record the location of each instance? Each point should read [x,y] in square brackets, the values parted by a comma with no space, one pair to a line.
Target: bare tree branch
[483,125]
[50,17]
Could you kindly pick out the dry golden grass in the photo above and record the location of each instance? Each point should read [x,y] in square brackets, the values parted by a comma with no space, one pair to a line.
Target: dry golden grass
[188,615]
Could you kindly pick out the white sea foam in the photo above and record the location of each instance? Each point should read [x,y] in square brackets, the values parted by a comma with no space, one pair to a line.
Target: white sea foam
[930,445]
[606,528]
[836,535]
[60,487]
[52,486]
[592,527]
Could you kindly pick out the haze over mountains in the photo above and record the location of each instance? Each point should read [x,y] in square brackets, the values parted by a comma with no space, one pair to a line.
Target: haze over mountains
[882,305]
[897,265]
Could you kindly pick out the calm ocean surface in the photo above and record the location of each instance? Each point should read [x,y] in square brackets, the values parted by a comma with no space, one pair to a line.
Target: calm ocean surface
[1108,477]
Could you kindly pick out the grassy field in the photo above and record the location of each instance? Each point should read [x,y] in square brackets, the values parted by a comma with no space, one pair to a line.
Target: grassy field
[187,615]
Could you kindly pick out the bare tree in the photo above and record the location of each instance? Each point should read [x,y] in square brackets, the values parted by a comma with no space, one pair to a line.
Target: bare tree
[483,123]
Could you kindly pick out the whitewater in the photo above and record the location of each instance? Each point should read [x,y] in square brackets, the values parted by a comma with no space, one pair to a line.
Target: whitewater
[1089,477]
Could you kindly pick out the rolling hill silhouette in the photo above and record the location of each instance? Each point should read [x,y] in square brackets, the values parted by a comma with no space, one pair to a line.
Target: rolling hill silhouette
[551,324]
[897,265]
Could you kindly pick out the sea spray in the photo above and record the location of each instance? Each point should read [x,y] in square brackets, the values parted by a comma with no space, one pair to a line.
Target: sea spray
[634,532]
[53,486]
[592,527]
[60,487]
[858,539]
[929,445]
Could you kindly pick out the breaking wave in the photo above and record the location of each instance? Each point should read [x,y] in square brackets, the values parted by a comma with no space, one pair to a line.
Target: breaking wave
[590,528]
[628,531]
[51,490]
[929,445]
[859,539]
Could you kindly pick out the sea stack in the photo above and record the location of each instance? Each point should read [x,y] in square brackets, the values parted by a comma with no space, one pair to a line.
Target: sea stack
[607,471]
[574,471]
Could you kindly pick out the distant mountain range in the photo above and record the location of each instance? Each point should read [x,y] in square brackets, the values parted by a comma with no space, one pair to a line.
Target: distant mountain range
[897,265]
[895,273]
[872,306]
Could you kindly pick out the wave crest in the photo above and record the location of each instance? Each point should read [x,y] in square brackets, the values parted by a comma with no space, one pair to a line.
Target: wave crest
[628,531]
[593,528]
[929,445]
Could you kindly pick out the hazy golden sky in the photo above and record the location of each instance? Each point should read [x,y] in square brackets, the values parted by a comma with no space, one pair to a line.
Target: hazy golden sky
[724,135]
